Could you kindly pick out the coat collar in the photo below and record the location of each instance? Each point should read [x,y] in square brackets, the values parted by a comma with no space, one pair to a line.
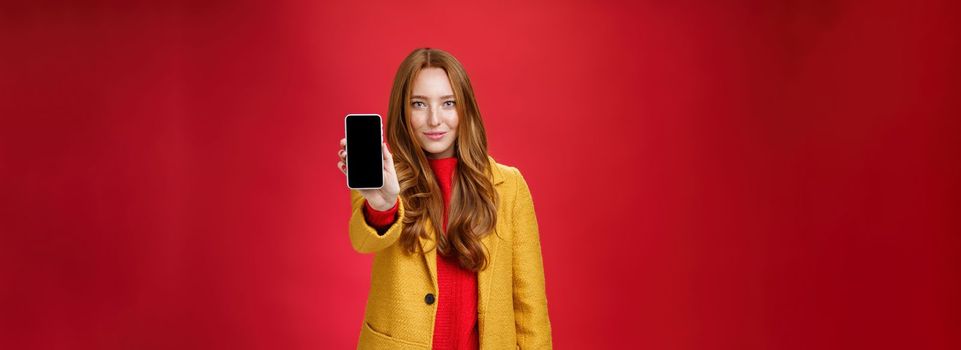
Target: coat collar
[490,244]
[495,171]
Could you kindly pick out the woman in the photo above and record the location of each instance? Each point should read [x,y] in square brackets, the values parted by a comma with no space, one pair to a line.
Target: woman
[480,282]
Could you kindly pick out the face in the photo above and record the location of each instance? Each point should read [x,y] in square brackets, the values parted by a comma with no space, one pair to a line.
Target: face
[433,112]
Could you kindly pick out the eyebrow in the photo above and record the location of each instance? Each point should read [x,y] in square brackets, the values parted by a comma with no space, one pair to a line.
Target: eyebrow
[425,98]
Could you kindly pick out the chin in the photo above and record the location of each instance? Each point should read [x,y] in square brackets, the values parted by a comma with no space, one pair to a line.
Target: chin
[436,149]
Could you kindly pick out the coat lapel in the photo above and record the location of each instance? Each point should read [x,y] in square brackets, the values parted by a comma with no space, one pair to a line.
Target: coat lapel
[484,276]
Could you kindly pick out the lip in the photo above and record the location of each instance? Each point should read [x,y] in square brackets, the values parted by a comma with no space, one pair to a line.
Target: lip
[435,135]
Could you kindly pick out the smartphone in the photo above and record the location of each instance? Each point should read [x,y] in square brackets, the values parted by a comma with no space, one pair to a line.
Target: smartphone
[365,159]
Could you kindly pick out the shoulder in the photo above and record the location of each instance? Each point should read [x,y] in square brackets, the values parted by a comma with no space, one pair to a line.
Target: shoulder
[508,171]
[508,174]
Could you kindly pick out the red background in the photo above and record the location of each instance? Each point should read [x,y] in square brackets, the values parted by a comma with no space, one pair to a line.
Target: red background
[706,174]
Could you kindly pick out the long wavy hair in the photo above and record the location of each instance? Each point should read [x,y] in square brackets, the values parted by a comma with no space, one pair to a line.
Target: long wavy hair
[473,202]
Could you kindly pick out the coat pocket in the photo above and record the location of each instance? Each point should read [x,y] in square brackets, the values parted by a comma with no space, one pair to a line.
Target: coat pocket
[371,338]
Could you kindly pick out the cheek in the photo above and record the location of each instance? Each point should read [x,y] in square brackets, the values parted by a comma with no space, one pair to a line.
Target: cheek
[417,119]
[452,119]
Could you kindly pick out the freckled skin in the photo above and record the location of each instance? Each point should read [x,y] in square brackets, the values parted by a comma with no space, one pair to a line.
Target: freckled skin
[433,108]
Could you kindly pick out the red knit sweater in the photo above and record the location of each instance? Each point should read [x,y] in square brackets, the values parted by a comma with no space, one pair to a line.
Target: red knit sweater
[456,324]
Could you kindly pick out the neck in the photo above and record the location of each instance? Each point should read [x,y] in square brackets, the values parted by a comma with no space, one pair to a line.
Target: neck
[430,157]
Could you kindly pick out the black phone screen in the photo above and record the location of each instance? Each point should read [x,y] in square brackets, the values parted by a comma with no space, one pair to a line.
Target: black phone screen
[364,154]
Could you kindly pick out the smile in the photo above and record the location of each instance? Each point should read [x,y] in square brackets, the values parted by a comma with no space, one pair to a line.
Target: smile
[435,135]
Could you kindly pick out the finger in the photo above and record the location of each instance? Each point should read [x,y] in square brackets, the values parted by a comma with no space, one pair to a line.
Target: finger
[343,142]
[342,167]
[388,157]
[342,154]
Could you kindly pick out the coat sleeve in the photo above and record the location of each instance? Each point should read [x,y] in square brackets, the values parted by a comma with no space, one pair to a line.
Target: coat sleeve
[364,237]
[530,300]
[380,219]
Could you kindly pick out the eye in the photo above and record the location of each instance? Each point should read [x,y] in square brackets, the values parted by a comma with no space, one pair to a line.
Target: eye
[418,104]
[448,103]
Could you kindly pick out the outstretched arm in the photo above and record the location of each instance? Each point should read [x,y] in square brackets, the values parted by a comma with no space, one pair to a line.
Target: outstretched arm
[366,238]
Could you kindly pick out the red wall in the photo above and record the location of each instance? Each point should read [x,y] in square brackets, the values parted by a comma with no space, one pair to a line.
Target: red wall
[706,174]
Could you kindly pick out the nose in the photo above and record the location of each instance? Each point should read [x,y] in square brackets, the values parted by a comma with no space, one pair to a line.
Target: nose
[433,118]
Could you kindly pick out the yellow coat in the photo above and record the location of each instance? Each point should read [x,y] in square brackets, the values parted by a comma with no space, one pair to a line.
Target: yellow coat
[511,302]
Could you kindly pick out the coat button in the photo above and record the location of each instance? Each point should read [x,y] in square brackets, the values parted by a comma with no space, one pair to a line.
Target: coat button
[429,298]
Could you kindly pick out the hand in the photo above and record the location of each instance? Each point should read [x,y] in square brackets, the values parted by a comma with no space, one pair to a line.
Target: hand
[382,198]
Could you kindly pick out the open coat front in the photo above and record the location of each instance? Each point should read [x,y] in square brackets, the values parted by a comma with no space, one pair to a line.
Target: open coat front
[511,305]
